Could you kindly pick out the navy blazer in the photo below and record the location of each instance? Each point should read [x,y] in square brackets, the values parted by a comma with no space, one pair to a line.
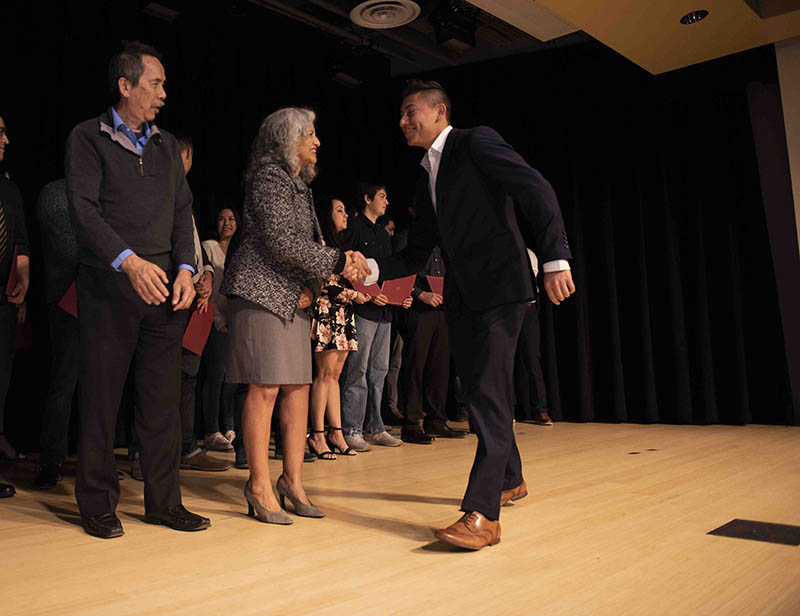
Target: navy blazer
[480,178]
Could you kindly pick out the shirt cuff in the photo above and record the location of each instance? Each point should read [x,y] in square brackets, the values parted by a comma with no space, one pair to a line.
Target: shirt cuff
[556,266]
[376,272]
[186,266]
[117,263]
[209,268]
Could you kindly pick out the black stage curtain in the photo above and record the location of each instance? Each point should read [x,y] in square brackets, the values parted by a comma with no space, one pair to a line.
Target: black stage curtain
[676,317]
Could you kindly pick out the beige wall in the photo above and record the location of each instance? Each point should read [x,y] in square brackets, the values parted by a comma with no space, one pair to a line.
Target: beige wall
[788,54]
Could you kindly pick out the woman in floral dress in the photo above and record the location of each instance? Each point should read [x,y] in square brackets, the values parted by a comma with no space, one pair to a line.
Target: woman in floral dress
[333,336]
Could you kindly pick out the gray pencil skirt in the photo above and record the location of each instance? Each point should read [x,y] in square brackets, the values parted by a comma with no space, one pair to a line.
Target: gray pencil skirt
[264,348]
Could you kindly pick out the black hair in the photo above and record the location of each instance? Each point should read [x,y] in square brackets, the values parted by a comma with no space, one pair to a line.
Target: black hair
[185,142]
[368,189]
[127,63]
[433,92]
[228,206]
[324,208]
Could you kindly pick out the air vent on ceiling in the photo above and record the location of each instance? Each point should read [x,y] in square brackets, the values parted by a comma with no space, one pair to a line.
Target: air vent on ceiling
[384,14]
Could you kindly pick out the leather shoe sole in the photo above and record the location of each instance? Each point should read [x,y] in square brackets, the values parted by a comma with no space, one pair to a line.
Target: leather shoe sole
[453,540]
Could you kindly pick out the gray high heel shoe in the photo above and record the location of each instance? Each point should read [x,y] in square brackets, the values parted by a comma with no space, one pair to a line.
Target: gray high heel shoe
[300,508]
[257,511]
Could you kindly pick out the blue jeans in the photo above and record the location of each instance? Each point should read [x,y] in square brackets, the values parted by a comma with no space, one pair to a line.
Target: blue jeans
[362,378]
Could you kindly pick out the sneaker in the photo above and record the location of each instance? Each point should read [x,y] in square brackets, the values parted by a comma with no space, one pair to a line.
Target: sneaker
[201,461]
[229,435]
[49,476]
[136,468]
[217,442]
[381,438]
[357,442]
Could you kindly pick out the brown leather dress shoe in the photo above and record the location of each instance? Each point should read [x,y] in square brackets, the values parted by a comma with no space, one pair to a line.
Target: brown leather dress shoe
[473,531]
[514,494]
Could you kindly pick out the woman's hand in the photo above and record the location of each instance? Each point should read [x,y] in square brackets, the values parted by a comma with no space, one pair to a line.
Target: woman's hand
[361,298]
[407,302]
[306,297]
[355,267]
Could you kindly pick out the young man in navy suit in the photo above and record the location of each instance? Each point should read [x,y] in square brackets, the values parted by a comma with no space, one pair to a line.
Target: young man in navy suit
[465,204]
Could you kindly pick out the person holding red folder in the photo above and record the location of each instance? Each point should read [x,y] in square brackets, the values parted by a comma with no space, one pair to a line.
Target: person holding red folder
[14,277]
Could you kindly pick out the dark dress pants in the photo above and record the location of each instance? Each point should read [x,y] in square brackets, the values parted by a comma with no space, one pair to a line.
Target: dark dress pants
[484,344]
[117,327]
[65,346]
[528,377]
[427,367]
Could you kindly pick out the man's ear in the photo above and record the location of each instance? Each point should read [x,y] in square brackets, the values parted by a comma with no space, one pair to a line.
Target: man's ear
[124,87]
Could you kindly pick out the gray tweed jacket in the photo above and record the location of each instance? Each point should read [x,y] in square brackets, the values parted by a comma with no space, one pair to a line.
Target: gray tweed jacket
[281,250]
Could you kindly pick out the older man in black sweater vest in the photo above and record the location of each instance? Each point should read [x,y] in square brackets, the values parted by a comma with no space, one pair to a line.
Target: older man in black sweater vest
[131,212]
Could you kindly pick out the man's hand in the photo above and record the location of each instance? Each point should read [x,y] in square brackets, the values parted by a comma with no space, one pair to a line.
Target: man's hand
[407,302]
[431,298]
[148,280]
[380,300]
[24,276]
[306,297]
[182,290]
[355,267]
[559,285]
[203,286]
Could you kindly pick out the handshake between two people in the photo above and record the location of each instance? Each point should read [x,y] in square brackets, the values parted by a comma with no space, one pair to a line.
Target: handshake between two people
[355,267]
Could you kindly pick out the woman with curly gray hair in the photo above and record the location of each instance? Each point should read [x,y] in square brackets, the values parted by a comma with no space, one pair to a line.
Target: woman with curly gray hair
[269,279]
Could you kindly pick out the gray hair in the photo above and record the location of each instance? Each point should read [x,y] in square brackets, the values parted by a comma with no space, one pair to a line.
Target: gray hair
[277,141]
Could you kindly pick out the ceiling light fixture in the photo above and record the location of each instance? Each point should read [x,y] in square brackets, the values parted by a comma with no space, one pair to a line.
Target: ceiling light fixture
[384,14]
[694,17]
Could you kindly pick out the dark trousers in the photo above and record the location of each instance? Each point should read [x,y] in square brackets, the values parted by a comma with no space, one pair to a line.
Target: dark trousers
[65,345]
[190,366]
[483,345]
[217,394]
[528,377]
[427,367]
[8,319]
[117,327]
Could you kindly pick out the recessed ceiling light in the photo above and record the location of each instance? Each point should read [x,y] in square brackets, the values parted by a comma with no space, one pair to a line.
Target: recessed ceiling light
[694,17]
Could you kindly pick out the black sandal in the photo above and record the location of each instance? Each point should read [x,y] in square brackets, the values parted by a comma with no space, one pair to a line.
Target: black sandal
[335,448]
[322,455]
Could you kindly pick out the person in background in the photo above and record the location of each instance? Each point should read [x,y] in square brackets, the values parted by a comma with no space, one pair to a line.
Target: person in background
[60,257]
[365,369]
[333,336]
[13,236]
[218,395]
[193,457]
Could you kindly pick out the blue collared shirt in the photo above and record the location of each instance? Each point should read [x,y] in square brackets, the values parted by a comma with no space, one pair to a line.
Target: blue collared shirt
[138,143]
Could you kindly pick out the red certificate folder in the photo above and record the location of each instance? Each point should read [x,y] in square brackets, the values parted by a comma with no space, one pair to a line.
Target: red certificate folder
[196,334]
[437,284]
[69,303]
[398,289]
[13,276]
[371,290]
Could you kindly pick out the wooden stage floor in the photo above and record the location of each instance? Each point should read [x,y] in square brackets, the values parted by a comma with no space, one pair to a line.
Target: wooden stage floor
[602,532]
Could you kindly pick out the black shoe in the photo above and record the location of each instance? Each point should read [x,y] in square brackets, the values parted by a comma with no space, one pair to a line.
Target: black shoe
[177,518]
[241,459]
[105,526]
[462,415]
[49,476]
[7,490]
[443,430]
[415,435]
